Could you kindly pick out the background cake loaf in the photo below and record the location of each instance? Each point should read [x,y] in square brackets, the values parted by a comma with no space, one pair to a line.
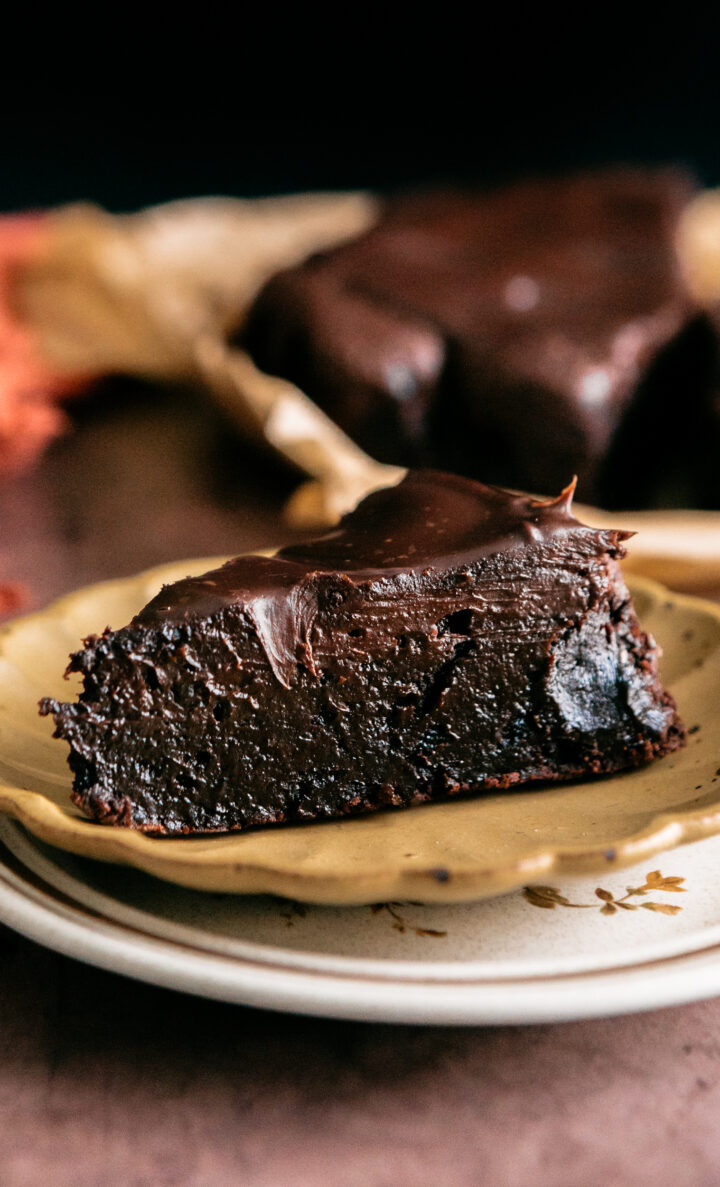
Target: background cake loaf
[518,336]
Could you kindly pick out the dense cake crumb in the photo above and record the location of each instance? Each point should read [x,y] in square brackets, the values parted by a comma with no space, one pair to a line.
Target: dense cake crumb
[447,638]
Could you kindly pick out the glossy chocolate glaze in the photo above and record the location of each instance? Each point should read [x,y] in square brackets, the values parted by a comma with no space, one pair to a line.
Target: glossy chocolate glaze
[447,637]
[429,521]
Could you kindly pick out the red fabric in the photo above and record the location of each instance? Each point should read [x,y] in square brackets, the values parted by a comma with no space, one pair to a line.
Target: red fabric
[12,598]
[29,388]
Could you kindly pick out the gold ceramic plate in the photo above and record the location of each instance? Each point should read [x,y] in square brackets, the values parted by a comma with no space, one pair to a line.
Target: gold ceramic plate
[440,853]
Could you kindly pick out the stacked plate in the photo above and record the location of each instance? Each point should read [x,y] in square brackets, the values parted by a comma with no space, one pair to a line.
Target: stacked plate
[534,906]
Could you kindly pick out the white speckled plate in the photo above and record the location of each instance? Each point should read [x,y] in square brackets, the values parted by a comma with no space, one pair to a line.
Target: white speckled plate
[442,853]
[640,939]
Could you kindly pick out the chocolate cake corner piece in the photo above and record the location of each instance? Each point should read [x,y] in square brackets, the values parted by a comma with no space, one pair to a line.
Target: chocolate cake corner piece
[374,367]
[447,638]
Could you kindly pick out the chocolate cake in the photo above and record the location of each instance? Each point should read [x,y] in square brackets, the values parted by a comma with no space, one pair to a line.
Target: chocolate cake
[447,638]
[519,335]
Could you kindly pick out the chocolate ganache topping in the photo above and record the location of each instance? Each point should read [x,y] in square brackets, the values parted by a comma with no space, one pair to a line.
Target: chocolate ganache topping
[447,638]
[429,521]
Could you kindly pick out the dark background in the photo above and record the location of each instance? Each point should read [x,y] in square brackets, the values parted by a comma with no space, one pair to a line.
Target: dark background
[106,1080]
[248,112]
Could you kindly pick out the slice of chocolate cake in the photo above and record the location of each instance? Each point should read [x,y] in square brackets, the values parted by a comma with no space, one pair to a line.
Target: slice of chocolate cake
[447,638]
[520,335]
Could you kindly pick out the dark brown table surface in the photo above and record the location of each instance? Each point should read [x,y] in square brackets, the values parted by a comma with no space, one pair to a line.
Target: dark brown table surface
[106,1081]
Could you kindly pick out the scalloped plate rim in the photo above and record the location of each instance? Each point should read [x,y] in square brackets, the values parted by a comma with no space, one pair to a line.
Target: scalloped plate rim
[50,823]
